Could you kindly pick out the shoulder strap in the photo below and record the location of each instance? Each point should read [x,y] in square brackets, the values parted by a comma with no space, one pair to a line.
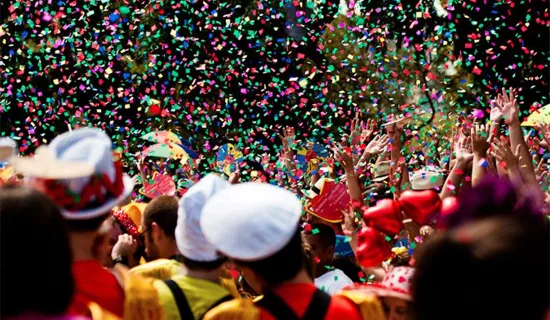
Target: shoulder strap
[276,307]
[181,301]
[316,310]
[217,303]
[318,306]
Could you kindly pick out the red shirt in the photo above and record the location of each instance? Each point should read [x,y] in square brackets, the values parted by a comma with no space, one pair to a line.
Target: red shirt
[93,283]
[298,296]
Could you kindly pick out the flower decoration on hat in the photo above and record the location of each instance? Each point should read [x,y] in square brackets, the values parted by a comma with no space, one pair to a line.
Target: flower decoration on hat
[80,172]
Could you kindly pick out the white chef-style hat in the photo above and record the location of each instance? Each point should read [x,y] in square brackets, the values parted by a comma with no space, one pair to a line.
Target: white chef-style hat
[251,221]
[190,239]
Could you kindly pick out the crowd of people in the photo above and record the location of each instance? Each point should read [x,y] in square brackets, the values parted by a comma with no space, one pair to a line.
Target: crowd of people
[463,234]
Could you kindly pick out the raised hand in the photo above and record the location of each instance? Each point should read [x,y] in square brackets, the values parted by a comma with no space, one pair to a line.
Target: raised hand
[125,246]
[545,130]
[479,136]
[368,131]
[345,159]
[502,152]
[356,129]
[288,137]
[541,171]
[463,150]
[508,105]
[377,145]
[496,111]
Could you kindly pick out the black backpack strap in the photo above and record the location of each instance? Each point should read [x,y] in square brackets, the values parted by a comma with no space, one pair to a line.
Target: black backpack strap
[181,301]
[318,306]
[277,307]
[217,303]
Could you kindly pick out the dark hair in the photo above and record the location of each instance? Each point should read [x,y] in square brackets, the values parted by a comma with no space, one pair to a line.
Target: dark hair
[349,267]
[491,197]
[283,265]
[309,260]
[325,233]
[35,257]
[163,210]
[472,272]
[201,265]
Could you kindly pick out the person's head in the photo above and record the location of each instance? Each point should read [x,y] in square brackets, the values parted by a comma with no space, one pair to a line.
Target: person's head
[465,273]
[36,256]
[322,239]
[80,172]
[395,308]
[159,221]
[394,293]
[256,225]
[197,252]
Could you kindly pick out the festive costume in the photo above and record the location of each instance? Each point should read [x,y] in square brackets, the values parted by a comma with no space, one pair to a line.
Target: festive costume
[252,222]
[183,296]
[82,175]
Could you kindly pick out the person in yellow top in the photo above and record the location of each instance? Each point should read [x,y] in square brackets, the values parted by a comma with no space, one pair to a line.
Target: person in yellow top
[200,284]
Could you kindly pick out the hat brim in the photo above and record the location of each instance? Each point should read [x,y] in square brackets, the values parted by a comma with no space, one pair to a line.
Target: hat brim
[379,291]
[380,179]
[397,121]
[46,167]
[105,208]
[5,153]
[308,193]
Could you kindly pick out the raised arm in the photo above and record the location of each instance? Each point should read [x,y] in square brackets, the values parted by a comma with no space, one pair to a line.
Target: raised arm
[480,145]
[463,159]
[508,104]
[346,160]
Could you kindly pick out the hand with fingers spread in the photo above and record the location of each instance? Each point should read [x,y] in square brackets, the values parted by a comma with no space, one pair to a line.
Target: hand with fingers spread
[345,158]
[541,171]
[502,152]
[463,150]
[356,128]
[508,106]
[377,145]
[287,138]
[479,136]
[368,131]
[496,111]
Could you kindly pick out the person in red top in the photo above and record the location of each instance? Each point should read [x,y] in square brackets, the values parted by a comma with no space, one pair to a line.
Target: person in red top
[80,173]
[257,226]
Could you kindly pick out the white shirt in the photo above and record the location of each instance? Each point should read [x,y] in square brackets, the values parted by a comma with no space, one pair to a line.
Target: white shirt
[333,281]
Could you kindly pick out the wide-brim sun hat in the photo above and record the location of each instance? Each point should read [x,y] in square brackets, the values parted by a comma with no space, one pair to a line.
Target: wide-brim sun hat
[80,172]
[7,148]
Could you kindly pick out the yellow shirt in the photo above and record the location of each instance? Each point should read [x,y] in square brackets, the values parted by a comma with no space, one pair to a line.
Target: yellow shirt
[200,294]
[162,269]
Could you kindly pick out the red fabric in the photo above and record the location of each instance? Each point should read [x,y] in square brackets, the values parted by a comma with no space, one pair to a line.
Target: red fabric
[298,296]
[93,283]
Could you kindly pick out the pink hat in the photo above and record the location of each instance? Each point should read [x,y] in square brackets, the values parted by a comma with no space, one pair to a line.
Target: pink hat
[396,284]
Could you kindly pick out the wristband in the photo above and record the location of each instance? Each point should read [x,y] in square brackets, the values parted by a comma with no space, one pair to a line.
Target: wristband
[122,260]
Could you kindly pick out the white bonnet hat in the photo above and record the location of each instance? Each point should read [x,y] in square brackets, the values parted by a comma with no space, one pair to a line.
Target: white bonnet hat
[251,221]
[190,239]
